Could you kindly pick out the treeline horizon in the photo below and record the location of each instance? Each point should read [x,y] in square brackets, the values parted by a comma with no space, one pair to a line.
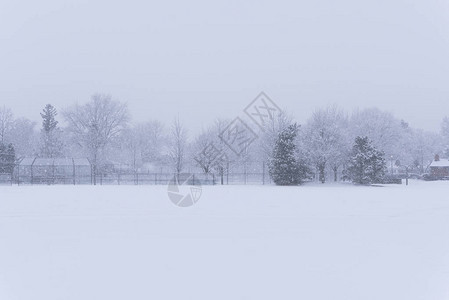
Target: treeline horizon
[102,130]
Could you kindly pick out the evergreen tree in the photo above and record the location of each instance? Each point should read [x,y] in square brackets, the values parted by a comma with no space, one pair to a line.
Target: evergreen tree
[3,158]
[11,158]
[51,145]
[48,115]
[7,158]
[285,168]
[367,164]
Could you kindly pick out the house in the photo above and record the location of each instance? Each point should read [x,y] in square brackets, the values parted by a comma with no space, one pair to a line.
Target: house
[439,168]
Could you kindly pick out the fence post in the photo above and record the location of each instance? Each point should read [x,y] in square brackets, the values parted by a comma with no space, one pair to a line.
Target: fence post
[74,172]
[53,173]
[94,173]
[32,175]
[245,172]
[263,173]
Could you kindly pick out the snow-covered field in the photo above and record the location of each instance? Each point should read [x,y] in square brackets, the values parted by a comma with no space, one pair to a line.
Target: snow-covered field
[239,242]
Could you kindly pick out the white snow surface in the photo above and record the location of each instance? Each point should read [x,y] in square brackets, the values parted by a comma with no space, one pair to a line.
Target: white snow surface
[239,242]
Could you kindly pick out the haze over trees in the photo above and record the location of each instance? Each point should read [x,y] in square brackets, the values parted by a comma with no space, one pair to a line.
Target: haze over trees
[6,123]
[177,146]
[326,136]
[95,125]
[102,130]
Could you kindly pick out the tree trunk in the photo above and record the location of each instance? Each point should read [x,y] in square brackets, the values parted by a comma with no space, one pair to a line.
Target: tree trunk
[95,168]
[335,168]
[321,169]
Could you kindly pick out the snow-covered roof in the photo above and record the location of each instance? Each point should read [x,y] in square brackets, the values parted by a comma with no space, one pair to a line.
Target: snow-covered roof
[81,162]
[440,163]
[28,161]
[43,162]
[63,162]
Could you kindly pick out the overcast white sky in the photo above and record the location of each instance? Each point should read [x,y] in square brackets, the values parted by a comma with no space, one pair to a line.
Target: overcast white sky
[203,59]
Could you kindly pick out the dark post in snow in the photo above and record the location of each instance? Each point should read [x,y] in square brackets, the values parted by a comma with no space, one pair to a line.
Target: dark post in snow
[263,173]
[18,174]
[227,173]
[74,172]
[406,175]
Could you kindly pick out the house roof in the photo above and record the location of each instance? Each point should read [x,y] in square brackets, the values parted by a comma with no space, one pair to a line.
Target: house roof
[441,163]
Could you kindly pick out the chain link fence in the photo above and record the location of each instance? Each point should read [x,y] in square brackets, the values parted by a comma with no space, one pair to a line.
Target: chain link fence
[68,171]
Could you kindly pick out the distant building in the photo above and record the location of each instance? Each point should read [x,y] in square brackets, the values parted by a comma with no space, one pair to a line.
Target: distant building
[439,168]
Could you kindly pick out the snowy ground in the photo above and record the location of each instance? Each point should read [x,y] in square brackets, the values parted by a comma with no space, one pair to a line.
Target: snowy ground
[238,242]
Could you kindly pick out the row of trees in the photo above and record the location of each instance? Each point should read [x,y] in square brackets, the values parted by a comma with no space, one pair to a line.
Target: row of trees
[102,130]
[364,165]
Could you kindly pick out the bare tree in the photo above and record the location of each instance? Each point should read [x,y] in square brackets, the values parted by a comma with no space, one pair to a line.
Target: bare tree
[445,132]
[379,126]
[270,133]
[204,150]
[96,124]
[210,153]
[142,143]
[424,146]
[326,140]
[6,123]
[152,140]
[25,139]
[178,144]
